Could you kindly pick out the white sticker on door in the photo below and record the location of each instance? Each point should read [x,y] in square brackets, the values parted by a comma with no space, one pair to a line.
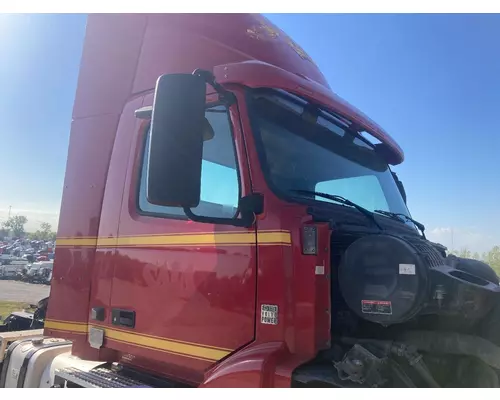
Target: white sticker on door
[269,314]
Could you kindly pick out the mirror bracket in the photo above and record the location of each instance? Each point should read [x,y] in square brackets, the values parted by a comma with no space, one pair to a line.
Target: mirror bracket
[228,98]
[249,207]
[400,186]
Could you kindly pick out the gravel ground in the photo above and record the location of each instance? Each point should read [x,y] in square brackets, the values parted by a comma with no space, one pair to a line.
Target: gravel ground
[22,292]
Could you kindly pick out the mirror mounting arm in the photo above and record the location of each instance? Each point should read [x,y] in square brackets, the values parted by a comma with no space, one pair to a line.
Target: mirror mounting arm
[400,186]
[246,221]
[228,98]
[249,207]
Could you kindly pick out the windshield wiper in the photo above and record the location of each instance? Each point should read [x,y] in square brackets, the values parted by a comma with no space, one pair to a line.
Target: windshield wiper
[341,200]
[419,225]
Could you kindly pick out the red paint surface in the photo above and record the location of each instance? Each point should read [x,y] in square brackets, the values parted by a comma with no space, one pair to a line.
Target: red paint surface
[207,295]
[201,294]
[252,367]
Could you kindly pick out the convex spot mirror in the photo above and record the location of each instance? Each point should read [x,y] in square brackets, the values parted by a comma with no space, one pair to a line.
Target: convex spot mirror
[178,129]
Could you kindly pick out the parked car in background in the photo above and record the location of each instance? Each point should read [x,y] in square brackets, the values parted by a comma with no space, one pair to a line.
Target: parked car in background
[9,271]
[5,258]
[39,272]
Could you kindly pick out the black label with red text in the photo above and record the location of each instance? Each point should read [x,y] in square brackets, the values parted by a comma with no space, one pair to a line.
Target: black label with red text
[376,307]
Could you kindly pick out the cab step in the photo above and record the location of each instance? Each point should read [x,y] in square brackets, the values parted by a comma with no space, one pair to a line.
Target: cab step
[96,378]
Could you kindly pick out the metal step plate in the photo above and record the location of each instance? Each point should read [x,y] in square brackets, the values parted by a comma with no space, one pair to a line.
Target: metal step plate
[97,378]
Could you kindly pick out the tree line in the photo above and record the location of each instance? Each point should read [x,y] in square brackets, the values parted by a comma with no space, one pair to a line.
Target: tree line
[491,257]
[15,225]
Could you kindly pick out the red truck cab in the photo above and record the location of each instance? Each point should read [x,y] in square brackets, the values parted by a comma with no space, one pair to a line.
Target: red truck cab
[219,275]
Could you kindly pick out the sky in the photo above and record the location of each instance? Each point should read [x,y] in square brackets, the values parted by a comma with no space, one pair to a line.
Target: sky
[432,81]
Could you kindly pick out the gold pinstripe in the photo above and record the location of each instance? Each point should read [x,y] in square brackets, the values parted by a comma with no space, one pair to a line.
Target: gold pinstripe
[182,239]
[192,350]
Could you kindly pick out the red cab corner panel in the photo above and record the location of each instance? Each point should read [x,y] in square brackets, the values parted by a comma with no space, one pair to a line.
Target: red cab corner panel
[253,367]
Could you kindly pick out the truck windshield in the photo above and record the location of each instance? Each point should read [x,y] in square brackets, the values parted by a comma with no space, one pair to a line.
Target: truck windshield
[303,147]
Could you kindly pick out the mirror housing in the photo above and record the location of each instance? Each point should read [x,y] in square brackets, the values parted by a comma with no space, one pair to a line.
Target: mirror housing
[386,153]
[176,143]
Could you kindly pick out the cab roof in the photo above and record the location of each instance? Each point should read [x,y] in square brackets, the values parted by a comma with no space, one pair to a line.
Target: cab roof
[124,54]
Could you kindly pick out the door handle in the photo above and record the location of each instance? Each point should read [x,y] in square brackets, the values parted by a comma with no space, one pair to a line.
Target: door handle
[123,318]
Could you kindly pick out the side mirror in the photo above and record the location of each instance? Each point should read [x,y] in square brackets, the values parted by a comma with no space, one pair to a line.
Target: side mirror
[176,143]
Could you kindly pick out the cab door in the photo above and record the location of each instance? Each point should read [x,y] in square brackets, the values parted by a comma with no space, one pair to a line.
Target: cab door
[183,292]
